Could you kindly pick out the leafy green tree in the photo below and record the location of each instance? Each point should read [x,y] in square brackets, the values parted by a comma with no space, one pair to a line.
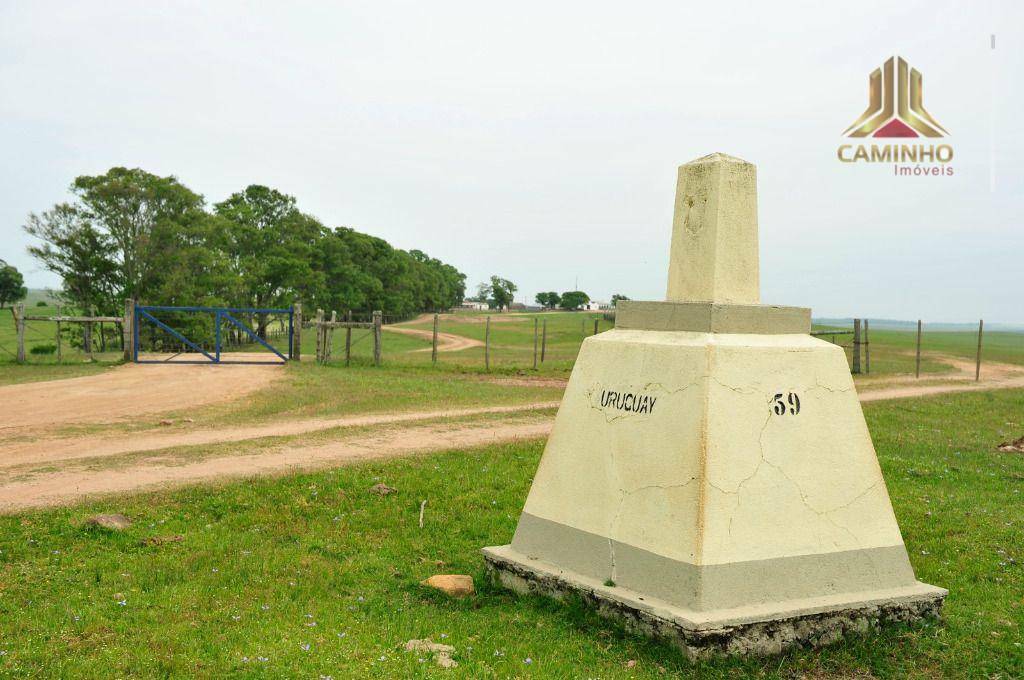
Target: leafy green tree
[12,285]
[133,234]
[502,292]
[550,299]
[83,256]
[616,297]
[483,293]
[574,299]
[131,206]
[271,247]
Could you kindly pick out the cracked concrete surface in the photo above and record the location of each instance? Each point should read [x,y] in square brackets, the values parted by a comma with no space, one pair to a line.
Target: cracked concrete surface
[715,477]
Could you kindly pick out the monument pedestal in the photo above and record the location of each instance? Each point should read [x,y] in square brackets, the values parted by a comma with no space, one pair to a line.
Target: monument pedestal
[710,477]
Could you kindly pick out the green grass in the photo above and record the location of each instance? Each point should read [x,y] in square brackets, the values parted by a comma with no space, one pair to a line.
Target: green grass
[45,367]
[309,390]
[511,342]
[1001,346]
[263,560]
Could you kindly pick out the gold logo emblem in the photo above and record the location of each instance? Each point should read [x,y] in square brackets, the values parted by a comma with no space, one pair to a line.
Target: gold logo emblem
[894,105]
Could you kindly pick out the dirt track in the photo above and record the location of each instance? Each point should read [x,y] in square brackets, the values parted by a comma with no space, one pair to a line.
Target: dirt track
[446,342]
[36,471]
[19,492]
[994,376]
[18,454]
[126,391]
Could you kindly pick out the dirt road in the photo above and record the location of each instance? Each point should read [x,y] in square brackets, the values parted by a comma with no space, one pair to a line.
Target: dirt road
[126,391]
[73,483]
[59,450]
[994,376]
[37,470]
[446,342]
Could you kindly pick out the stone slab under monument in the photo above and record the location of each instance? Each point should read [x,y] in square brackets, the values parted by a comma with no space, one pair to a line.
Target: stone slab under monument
[710,478]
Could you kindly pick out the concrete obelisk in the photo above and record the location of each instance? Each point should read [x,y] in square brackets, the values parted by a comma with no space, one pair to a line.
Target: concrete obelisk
[710,477]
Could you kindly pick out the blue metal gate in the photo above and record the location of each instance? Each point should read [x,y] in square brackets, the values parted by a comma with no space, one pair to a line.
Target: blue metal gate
[144,314]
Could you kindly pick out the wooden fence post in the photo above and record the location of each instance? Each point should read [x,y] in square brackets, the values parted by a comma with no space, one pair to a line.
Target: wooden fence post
[487,345]
[378,320]
[977,367]
[917,365]
[19,324]
[433,351]
[87,338]
[128,329]
[297,332]
[58,336]
[543,340]
[536,325]
[595,326]
[856,347]
[867,349]
[348,339]
[319,336]
[330,336]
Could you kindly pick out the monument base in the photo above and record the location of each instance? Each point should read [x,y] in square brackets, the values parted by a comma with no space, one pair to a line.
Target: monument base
[753,630]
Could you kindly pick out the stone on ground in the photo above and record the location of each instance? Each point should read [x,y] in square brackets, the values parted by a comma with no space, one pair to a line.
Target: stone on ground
[455,585]
[112,522]
[442,653]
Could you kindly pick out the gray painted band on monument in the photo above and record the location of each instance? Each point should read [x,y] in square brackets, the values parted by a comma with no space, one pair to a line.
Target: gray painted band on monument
[711,317]
[721,586]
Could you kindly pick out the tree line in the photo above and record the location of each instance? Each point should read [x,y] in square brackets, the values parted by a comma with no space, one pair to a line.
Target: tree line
[569,300]
[12,285]
[129,234]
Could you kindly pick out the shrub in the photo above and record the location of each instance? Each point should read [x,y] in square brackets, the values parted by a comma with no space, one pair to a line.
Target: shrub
[43,349]
[41,303]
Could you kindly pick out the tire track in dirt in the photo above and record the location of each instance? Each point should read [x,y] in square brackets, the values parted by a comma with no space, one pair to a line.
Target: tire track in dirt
[28,477]
[446,342]
[128,390]
[73,485]
[62,449]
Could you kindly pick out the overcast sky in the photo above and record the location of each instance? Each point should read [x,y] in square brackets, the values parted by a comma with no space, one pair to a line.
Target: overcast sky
[540,140]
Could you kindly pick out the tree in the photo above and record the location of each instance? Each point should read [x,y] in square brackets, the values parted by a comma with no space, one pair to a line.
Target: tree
[83,256]
[574,299]
[617,297]
[12,285]
[271,247]
[550,299]
[130,206]
[502,292]
[131,234]
[483,292]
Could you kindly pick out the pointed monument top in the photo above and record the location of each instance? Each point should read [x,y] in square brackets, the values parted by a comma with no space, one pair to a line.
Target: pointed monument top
[718,157]
[714,255]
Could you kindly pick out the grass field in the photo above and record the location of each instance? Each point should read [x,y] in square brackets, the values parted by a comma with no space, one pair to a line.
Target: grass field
[892,352]
[312,576]
[45,366]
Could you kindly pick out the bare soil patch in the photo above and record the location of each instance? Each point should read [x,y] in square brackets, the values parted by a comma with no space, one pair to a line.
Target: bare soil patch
[73,484]
[59,470]
[127,391]
[994,376]
[446,342]
[62,450]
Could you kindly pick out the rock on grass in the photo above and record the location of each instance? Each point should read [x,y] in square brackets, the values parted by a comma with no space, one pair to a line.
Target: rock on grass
[442,653]
[454,585]
[111,522]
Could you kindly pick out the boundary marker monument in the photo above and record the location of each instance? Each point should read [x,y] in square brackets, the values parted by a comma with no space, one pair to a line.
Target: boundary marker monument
[710,477]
